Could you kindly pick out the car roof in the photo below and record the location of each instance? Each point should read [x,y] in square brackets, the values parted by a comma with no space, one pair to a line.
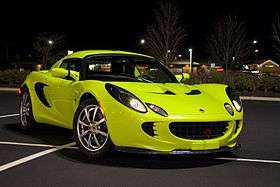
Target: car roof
[82,54]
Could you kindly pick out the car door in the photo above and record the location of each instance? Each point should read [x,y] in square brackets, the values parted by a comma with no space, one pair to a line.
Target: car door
[62,93]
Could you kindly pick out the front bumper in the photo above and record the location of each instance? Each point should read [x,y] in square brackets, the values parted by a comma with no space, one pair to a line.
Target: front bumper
[125,128]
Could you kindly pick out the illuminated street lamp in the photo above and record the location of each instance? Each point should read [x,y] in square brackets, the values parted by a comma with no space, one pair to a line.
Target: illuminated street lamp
[142,41]
[255,41]
[256,50]
[179,55]
[50,42]
[190,51]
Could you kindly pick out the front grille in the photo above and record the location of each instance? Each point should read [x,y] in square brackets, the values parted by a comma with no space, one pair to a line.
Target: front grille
[198,130]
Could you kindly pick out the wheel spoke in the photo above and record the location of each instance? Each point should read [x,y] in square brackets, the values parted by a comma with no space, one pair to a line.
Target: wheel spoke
[94,114]
[101,132]
[83,123]
[87,114]
[85,133]
[96,140]
[100,121]
[89,140]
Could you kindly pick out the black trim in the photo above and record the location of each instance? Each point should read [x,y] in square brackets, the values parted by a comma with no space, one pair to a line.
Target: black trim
[39,89]
[176,151]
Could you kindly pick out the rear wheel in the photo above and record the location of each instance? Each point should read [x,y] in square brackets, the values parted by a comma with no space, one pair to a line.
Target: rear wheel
[25,110]
[90,130]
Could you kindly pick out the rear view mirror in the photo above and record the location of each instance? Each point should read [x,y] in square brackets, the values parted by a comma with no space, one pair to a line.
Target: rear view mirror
[183,77]
[59,72]
[65,74]
[179,77]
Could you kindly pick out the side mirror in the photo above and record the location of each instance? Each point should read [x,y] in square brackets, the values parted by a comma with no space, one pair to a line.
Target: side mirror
[59,72]
[183,77]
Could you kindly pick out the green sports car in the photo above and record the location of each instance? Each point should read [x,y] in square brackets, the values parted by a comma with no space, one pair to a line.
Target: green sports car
[130,102]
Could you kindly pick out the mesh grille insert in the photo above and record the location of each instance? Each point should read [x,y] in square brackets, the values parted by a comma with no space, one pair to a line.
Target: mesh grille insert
[198,130]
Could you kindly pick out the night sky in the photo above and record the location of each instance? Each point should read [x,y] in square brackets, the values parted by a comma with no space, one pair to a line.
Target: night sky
[121,24]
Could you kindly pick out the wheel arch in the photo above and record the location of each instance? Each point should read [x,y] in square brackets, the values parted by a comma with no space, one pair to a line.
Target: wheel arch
[87,96]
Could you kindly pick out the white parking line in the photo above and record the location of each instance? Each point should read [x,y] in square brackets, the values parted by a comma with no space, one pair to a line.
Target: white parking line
[33,144]
[260,98]
[250,160]
[9,115]
[34,156]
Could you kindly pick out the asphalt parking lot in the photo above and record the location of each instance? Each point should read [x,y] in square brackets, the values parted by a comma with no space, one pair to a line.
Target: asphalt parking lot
[36,158]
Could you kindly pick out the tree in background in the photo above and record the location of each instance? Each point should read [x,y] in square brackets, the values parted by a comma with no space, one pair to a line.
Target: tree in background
[276,34]
[48,48]
[166,35]
[228,44]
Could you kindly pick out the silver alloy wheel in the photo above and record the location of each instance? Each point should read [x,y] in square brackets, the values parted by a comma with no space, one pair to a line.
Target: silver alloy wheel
[91,128]
[25,109]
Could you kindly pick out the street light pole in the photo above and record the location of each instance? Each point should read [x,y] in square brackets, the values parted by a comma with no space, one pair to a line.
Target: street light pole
[190,70]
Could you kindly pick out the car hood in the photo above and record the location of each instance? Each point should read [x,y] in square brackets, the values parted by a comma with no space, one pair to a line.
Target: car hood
[176,98]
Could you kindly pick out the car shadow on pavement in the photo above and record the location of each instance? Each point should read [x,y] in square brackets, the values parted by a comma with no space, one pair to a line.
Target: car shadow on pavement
[41,133]
[58,136]
[145,161]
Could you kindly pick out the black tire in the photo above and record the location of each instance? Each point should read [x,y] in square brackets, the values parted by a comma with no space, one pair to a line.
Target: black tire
[26,117]
[92,138]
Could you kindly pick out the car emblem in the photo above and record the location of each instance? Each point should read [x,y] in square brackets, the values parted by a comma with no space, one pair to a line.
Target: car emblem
[207,132]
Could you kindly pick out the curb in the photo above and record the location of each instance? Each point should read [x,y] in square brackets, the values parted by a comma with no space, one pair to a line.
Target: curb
[8,89]
[251,98]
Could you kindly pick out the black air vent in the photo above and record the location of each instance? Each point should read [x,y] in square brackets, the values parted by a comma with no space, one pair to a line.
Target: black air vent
[39,89]
[165,93]
[148,127]
[194,92]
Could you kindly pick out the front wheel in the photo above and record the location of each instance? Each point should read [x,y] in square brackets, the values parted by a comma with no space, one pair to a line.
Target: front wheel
[90,130]
[27,120]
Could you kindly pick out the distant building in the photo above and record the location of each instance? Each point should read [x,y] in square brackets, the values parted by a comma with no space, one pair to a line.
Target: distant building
[265,67]
[183,66]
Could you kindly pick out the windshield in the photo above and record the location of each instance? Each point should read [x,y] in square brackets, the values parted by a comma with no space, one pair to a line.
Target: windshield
[126,68]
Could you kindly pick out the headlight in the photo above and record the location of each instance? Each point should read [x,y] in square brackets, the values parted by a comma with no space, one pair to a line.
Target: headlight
[126,98]
[234,98]
[157,109]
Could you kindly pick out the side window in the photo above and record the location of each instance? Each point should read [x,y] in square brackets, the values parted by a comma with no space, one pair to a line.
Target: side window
[64,65]
[72,64]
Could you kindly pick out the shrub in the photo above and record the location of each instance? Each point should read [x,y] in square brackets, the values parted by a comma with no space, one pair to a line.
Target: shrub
[12,77]
[276,84]
[240,81]
[216,78]
[266,83]
[245,82]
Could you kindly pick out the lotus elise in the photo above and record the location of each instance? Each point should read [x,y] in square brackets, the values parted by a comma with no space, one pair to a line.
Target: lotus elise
[130,102]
